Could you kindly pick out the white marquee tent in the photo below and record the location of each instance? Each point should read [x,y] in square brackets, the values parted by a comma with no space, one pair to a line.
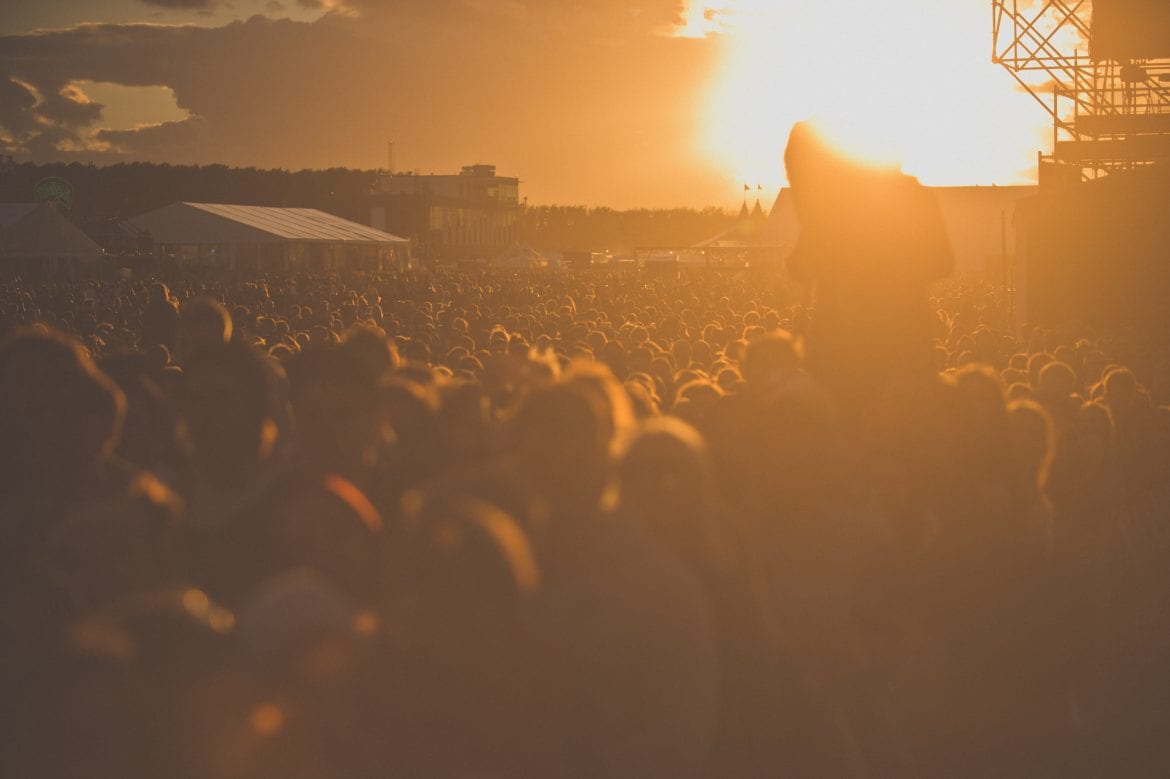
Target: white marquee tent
[268,238]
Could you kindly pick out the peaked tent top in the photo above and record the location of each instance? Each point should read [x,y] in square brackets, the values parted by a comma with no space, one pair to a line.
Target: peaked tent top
[44,232]
[10,213]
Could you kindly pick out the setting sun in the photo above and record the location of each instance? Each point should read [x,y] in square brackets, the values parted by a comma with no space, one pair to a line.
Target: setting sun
[907,81]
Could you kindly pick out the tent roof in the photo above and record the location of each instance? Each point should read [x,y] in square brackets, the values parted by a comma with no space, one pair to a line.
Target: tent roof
[519,254]
[44,232]
[14,212]
[197,223]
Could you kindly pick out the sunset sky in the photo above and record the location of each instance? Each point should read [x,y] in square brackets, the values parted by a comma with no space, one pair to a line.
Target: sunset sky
[605,102]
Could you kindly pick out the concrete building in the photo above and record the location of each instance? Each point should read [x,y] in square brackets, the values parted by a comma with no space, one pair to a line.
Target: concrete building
[261,238]
[472,215]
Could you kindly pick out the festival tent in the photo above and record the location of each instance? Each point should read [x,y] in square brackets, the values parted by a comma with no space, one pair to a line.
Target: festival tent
[751,241]
[520,256]
[11,213]
[38,236]
[268,238]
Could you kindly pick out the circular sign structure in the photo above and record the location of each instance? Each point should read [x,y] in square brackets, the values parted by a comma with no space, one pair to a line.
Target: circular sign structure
[53,189]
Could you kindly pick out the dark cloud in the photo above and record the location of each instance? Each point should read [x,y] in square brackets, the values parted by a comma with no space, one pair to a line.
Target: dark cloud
[16,103]
[51,143]
[576,96]
[70,107]
[181,141]
[182,5]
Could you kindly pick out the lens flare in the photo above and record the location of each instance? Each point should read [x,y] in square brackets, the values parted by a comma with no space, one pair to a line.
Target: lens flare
[907,81]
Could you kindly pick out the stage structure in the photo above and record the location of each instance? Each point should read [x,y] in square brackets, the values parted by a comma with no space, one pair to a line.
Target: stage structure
[1101,69]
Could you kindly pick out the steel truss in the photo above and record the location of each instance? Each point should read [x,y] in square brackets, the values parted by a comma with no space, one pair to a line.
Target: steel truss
[1106,115]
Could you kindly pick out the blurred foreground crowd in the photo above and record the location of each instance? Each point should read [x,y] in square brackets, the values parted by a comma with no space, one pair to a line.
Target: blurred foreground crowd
[512,524]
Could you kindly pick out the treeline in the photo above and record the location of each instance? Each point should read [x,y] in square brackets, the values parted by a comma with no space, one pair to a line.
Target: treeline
[129,189]
[114,192]
[599,229]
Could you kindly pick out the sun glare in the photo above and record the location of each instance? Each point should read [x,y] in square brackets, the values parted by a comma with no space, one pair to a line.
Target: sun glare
[907,81]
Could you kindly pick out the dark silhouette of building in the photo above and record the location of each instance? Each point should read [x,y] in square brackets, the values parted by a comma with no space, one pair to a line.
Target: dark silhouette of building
[472,215]
[1097,252]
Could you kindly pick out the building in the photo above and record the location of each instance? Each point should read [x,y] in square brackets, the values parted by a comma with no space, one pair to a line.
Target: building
[980,222]
[37,238]
[261,238]
[472,215]
[1097,253]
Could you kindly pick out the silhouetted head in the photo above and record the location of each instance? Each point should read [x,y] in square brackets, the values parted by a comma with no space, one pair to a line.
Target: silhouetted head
[563,439]
[984,438]
[771,360]
[228,402]
[59,415]
[335,400]
[408,409]
[598,381]
[371,347]
[1032,440]
[203,323]
[861,221]
[666,480]
[1057,381]
[477,561]
[159,293]
[1121,389]
[809,158]
[1036,364]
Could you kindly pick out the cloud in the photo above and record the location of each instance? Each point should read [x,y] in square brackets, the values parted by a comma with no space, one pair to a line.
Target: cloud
[575,97]
[179,141]
[70,107]
[16,103]
[182,5]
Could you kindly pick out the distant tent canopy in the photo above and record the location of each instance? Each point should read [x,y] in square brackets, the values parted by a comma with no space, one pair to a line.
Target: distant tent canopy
[10,213]
[750,229]
[520,256]
[38,236]
[268,238]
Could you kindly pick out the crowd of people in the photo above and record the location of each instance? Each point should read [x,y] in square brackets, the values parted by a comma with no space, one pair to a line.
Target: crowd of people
[567,524]
[562,524]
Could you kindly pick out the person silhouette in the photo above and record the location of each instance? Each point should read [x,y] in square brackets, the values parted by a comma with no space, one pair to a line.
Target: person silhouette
[871,239]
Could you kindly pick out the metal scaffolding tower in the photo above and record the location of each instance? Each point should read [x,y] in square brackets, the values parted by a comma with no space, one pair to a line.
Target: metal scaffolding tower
[1107,115]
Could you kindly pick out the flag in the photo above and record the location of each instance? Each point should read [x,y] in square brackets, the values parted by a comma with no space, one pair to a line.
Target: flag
[760,187]
[746,188]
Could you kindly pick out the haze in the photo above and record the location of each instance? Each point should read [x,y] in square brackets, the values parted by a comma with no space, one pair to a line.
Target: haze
[653,103]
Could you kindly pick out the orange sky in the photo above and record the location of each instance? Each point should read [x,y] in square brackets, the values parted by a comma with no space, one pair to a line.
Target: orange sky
[652,103]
